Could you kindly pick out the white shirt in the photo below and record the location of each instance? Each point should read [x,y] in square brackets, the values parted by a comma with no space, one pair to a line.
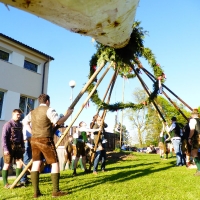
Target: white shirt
[26,134]
[161,134]
[172,127]
[192,123]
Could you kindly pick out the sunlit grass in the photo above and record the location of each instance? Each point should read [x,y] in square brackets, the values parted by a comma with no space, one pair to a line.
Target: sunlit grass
[134,176]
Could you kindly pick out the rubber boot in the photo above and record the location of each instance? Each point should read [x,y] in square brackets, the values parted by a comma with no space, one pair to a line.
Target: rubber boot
[5,177]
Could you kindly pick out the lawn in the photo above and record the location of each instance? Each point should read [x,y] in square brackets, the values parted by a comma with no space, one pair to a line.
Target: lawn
[130,175]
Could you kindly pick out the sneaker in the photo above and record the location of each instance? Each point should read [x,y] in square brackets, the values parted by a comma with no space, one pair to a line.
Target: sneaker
[197,173]
[7,186]
[192,166]
[59,194]
[95,173]
[74,174]
[25,183]
[104,141]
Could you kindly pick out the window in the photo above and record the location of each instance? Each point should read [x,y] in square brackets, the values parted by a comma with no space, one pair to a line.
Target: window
[4,55]
[26,105]
[1,102]
[31,66]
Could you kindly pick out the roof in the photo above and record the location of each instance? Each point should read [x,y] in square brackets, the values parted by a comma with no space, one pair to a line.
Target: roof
[26,46]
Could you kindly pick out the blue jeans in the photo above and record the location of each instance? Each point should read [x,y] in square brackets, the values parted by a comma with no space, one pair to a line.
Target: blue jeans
[27,157]
[177,148]
[100,155]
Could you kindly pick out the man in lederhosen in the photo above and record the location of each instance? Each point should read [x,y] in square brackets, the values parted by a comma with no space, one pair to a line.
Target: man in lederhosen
[42,120]
[13,145]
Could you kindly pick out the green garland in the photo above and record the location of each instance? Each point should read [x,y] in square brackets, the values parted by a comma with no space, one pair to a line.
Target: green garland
[121,106]
[125,59]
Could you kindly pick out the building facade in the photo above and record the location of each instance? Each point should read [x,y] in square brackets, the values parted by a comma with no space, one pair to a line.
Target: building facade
[23,77]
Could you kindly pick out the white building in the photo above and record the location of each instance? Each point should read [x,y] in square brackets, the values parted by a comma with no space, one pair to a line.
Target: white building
[23,77]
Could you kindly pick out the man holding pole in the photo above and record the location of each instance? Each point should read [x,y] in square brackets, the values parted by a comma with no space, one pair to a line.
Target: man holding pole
[42,120]
[174,131]
[100,151]
[194,138]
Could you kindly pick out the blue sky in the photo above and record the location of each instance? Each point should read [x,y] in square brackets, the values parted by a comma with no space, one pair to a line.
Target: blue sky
[173,36]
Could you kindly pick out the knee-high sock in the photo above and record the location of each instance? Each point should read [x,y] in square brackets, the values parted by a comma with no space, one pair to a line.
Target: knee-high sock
[55,181]
[18,171]
[5,176]
[35,181]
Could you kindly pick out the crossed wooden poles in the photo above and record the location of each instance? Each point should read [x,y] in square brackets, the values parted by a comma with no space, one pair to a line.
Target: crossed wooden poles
[149,93]
[92,78]
[110,87]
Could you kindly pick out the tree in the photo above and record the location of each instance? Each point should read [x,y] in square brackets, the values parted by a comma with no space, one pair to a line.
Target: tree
[125,134]
[137,117]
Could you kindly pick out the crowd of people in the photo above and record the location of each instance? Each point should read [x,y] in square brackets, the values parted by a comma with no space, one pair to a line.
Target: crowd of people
[183,140]
[33,139]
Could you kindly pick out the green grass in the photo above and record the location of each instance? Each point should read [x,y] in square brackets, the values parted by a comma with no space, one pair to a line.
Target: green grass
[130,176]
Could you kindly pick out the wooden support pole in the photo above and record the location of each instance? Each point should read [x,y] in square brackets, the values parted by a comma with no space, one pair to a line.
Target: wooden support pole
[21,174]
[25,165]
[148,73]
[91,93]
[71,107]
[87,84]
[82,107]
[103,118]
[148,93]
[113,77]
[111,81]
[170,100]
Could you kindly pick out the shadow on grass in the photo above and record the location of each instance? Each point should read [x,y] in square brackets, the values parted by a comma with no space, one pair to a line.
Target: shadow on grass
[121,176]
[131,166]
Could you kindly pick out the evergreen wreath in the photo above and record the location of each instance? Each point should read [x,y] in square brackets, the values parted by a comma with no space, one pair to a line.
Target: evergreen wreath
[125,59]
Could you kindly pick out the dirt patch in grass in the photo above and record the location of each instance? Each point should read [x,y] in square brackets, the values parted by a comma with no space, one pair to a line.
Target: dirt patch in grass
[117,156]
